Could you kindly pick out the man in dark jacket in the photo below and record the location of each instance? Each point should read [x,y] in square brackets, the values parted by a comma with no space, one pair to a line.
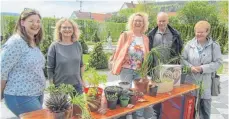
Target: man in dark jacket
[170,45]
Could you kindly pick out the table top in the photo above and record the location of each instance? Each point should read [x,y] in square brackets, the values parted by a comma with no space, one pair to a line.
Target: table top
[119,111]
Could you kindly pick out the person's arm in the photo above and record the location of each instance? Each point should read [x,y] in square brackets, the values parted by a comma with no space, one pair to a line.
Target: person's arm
[82,67]
[216,63]
[103,106]
[184,57]
[10,55]
[51,64]
[3,85]
[119,45]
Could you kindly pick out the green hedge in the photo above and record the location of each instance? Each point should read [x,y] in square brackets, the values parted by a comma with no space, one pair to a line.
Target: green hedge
[89,27]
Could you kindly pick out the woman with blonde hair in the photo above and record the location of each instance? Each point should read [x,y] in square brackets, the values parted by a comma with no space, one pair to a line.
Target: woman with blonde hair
[65,63]
[133,46]
[203,56]
[22,64]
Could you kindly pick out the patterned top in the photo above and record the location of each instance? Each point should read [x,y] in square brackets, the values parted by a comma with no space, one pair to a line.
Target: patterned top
[135,54]
[22,67]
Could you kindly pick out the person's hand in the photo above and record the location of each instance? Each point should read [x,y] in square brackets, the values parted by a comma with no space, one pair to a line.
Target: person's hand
[196,69]
[199,69]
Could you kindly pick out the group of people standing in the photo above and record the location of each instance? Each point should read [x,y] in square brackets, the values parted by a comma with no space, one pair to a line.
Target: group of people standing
[22,62]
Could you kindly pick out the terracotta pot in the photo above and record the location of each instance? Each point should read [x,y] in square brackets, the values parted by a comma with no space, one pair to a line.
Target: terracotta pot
[95,104]
[59,115]
[77,112]
[133,99]
[141,85]
[68,113]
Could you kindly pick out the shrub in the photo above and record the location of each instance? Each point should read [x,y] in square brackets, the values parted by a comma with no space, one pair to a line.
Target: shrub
[98,58]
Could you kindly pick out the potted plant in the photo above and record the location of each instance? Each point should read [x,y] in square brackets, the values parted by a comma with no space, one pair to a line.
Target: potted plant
[94,92]
[124,100]
[94,79]
[134,96]
[113,90]
[112,100]
[58,103]
[80,108]
[153,90]
[156,73]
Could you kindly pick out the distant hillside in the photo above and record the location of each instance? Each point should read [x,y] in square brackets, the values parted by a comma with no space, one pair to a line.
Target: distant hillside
[9,14]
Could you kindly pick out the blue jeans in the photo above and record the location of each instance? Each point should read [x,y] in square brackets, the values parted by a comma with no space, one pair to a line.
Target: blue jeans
[129,75]
[22,104]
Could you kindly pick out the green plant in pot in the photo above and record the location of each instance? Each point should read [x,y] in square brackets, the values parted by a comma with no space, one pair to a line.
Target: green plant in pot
[112,100]
[94,92]
[113,90]
[152,67]
[80,108]
[124,100]
[64,89]
[58,102]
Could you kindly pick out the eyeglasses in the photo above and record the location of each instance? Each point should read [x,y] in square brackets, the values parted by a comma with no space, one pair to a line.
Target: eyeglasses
[67,27]
[138,21]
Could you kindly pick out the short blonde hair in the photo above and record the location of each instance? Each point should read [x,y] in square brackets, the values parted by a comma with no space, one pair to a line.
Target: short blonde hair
[76,30]
[203,24]
[145,21]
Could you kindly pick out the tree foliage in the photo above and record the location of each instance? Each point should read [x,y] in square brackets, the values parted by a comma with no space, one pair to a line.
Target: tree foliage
[98,58]
[195,11]
[223,10]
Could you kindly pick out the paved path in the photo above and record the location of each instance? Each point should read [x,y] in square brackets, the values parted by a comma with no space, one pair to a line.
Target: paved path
[219,104]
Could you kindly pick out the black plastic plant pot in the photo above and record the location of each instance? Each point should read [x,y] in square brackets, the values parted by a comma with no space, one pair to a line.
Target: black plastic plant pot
[183,76]
[112,104]
[113,90]
[153,91]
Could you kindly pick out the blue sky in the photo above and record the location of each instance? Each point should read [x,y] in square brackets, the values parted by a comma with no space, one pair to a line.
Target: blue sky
[62,8]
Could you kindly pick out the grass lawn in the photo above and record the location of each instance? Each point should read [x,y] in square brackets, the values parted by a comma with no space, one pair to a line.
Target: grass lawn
[85,58]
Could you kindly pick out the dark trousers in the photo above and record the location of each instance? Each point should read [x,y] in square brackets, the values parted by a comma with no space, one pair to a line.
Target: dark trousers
[157,110]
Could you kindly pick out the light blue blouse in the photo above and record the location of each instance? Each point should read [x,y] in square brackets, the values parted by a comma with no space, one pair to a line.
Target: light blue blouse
[22,67]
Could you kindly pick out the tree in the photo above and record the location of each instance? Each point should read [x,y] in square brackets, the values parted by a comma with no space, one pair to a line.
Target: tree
[96,38]
[117,19]
[98,58]
[223,10]
[195,11]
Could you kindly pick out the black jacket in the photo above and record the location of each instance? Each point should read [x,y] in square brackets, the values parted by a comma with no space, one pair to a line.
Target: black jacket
[176,46]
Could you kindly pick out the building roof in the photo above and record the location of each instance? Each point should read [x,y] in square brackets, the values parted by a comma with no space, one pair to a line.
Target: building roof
[172,13]
[82,15]
[130,5]
[88,15]
[100,17]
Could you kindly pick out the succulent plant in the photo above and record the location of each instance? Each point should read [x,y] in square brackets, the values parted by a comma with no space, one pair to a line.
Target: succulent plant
[58,103]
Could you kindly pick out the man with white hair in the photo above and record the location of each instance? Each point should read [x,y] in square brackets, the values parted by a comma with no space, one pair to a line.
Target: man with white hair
[170,43]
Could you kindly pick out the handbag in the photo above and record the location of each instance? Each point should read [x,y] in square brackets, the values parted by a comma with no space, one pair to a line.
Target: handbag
[215,87]
[111,59]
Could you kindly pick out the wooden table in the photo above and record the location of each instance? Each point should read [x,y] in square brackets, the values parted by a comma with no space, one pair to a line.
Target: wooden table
[119,111]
